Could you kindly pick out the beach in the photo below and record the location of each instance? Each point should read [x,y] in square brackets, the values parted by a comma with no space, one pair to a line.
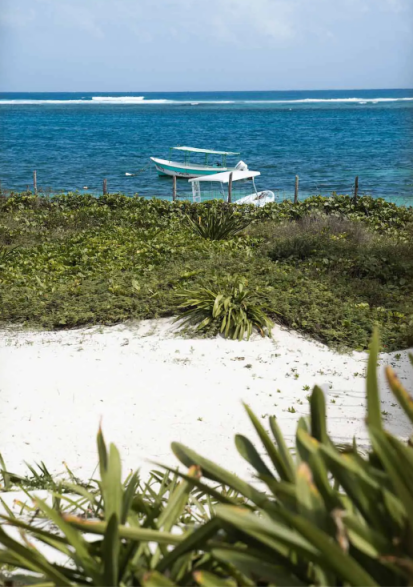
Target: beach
[148,386]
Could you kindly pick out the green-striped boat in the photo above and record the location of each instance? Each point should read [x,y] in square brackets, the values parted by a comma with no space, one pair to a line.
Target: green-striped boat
[187,169]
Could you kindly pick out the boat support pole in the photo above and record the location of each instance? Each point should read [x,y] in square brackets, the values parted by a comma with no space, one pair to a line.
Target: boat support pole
[255,189]
[230,188]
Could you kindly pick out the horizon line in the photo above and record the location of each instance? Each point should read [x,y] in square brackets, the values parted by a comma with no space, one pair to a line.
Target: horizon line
[196,91]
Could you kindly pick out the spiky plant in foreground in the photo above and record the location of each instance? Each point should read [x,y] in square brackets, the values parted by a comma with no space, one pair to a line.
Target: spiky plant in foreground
[323,517]
[235,310]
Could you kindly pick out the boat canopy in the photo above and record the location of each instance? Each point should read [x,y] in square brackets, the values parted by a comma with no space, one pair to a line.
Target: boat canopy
[223,177]
[206,151]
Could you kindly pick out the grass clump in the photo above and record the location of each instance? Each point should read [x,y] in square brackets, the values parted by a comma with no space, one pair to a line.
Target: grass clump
[321,514]
[328,267]
[236,311]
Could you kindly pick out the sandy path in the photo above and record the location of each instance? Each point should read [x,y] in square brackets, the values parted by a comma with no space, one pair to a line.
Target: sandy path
[150,387]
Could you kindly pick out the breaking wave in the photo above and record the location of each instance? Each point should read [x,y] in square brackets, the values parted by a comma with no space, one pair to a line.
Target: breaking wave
[140,100]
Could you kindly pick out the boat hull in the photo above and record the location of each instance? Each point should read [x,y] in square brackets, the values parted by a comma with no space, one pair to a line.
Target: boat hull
[187,171]
[259,199]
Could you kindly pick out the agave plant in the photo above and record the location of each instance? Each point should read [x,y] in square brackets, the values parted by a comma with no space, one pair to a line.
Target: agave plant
[236,310]
[328,517]
[219,223]
[139,530]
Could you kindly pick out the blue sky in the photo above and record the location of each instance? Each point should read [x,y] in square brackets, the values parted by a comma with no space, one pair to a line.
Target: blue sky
[182,45]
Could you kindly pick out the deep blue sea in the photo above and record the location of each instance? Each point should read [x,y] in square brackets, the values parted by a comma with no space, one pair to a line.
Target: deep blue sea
[326,137]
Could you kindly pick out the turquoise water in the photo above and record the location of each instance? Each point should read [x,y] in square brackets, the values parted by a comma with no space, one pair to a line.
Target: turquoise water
[327,138]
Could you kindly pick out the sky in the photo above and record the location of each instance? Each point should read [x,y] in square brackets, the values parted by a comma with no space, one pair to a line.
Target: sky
[204,45]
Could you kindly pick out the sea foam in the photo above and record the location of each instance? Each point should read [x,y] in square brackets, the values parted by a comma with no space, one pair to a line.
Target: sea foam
[140,100]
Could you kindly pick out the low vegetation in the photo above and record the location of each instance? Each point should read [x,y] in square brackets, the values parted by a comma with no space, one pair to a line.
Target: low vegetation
[328,267]
[320,515]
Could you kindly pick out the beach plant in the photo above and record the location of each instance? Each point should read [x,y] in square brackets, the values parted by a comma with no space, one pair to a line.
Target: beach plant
[234,310]
[319,515]
[138,529]
[331,516]
[219,223]
[329,267]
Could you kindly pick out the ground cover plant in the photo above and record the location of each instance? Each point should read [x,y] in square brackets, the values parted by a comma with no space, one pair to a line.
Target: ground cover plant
[321,515]
[328,267]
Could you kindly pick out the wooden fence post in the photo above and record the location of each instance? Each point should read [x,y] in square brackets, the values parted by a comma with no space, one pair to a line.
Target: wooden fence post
[356,189]
[297,179]
[230,188]
[174,188]
[105,186]
[35,182]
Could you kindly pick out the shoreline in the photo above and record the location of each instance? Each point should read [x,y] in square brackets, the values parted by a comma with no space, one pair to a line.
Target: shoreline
[150,386]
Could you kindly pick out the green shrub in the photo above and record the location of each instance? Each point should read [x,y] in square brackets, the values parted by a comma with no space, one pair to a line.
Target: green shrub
[327,516]
[219,223]
[235,310]
[347,248]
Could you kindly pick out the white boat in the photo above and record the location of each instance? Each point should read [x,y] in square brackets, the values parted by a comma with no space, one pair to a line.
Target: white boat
[223,188]
[188,169]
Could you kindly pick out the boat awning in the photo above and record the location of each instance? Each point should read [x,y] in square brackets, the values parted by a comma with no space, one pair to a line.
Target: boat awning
[223,177]
[207,151]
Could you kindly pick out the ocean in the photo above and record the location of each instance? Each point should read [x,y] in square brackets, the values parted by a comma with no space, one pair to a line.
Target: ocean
[75,140]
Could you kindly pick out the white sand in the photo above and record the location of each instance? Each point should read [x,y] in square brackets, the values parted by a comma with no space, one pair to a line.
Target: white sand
[151,387]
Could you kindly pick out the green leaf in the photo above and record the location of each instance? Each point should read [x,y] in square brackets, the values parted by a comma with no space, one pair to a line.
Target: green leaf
[374,418]
[318,416]
[112,488]
[110,552]
[33,529]
[401,394]
[206,489]
[284,451]
[266,530]
[248,451]
[330,554]
[155,579]
[176,504]
[103,455]
[128,496]
[191,543]
[393,464]
[217,473]
[310,503]
[81,547]
[257,569]
[32,559]
[367,540]
[363,491]
[4,474]
[127,532]
[282,464]
[207,579]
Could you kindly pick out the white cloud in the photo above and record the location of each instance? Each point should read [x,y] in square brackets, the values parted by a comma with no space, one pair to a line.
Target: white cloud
[226,23]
